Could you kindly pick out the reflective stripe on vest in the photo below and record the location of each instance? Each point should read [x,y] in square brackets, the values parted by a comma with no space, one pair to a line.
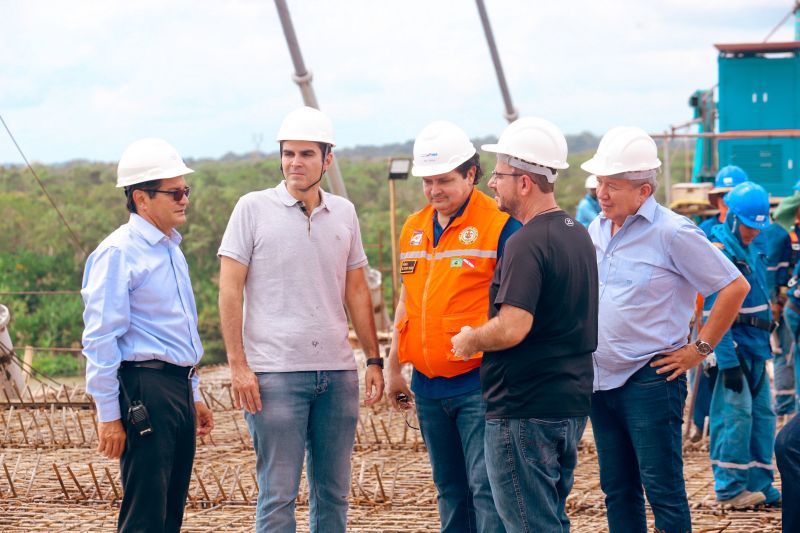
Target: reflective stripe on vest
[446,287]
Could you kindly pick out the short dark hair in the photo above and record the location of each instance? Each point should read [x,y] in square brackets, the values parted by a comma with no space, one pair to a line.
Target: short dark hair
[152,184]
[474,161]
[541,182]
[324,148]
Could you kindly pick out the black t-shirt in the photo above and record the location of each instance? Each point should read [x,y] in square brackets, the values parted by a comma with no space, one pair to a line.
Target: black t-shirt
[549,269]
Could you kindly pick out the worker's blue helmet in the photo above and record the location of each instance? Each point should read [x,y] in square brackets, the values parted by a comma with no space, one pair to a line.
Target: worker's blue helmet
[797,186]
[729,177]
[750,203]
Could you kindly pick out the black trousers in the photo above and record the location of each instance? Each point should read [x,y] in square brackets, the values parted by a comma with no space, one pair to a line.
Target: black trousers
[156,469]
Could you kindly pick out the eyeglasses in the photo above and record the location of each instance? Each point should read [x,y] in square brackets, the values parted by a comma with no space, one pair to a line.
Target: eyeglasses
[177,194]
[496,175]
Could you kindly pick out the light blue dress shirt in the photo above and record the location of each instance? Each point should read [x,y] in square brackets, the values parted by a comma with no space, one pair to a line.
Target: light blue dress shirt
[139,306]
[650,273]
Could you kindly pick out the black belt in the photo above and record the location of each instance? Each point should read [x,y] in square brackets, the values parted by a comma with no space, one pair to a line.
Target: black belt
[155,364]
[755,322]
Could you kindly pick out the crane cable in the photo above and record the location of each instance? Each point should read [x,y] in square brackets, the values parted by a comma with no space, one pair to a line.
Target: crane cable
[75,239]
[783,20]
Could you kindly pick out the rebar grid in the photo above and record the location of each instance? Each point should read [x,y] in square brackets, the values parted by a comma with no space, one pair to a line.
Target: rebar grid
[55,481]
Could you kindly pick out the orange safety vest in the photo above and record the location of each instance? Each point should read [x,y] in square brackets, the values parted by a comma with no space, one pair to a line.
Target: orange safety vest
[446,287]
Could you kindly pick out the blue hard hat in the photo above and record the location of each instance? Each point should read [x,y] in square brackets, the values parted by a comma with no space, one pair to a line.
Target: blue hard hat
[797,186]
[729,177]
[750,203]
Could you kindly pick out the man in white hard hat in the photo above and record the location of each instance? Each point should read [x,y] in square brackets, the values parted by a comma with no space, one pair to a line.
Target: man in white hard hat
[294,253]
[448,251]
[652,262]
[141,342]
[536,372]
[588,208]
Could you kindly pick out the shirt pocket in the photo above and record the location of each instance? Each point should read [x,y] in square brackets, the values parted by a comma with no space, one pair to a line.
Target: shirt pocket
[630,280]
[452,324]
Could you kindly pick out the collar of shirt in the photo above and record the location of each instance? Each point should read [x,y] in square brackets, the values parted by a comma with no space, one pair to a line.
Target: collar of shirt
[289,201]
[647,211]
[151,234]
[438,229]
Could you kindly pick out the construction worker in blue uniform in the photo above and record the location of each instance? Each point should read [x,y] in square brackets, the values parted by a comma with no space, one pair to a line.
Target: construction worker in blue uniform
[727,178]
[742,418]
[782,248]
[589,206]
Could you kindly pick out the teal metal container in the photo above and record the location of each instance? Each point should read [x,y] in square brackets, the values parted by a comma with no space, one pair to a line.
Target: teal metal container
[758,90]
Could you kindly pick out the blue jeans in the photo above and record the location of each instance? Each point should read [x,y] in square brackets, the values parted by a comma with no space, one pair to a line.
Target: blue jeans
[452,429]
[531,463]
[637,428]
[787,455]
[784,370]
[743,438]
[304,411]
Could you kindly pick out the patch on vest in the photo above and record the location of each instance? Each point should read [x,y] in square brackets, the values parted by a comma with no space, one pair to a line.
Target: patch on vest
[456,262]
[468,235]
[416,238]
[407,266]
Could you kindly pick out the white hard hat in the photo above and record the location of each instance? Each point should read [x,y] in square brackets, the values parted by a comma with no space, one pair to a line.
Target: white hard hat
[147,160]
[591,182]
[533,140]
[306,124]
[439,148]
[626,151]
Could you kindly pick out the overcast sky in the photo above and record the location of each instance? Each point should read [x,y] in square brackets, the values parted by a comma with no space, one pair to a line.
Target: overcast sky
[82,79]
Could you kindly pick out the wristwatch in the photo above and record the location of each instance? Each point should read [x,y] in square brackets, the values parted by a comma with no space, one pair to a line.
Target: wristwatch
[703,348]
[375,361]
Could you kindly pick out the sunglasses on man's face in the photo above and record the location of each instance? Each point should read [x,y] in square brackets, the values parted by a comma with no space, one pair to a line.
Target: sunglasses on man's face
[177,194]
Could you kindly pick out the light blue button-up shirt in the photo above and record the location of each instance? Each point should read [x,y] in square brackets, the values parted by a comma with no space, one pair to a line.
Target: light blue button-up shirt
[650,273]
[139,306]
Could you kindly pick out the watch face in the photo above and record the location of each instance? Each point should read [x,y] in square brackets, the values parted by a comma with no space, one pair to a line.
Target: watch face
[703,347]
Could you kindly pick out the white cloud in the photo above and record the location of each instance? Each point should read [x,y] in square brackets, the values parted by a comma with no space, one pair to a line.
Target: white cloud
[81,79]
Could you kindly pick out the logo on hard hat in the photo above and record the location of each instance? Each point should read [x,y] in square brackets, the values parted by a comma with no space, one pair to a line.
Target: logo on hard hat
[727,180]
[468,235]
[760,218]
[429,157]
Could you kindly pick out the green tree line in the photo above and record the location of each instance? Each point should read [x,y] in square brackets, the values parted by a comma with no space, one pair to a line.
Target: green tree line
[38,254]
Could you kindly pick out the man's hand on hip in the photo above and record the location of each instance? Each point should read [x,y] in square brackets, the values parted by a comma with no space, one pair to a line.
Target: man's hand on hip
[204,419]
[678,361]
[245,389]
[111,439]
[373,384]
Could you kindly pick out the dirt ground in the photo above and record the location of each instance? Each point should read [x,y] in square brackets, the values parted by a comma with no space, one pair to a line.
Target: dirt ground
[52,480]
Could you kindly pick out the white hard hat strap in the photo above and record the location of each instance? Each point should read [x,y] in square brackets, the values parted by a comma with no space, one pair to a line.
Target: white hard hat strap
[530,167]
[638,174]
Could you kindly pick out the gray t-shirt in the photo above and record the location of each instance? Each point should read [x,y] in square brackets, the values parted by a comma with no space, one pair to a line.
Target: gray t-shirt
[294,317]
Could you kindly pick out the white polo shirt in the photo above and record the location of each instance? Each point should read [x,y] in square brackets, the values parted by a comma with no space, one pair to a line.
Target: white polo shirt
[294,317]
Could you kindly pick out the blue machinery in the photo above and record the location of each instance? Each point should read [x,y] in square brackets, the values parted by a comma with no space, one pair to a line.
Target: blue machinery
[757,114]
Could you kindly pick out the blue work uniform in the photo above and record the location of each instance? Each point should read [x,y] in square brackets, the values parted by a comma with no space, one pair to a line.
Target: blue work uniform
[780,258]
[708,224]
[743,423]
[588,209]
